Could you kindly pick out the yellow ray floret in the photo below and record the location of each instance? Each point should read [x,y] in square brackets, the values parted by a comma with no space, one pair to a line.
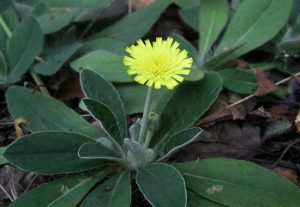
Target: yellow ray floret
[160,63]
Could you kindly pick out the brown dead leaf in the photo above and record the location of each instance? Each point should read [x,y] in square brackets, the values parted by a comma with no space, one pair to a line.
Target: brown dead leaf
[261,112]
[225,140]
[219,112]
[279,111]
[18,129]
[238,112]
[264,84]
[242,63]
[67,86]
[136,4]
[287,173]
[297,122]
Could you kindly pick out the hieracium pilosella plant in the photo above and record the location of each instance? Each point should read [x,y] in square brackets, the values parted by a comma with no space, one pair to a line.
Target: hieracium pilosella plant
[156,64]
[121,155]
[101,164]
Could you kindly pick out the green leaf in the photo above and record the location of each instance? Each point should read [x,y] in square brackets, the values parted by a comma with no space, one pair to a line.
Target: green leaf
[107,118]
[94,150]
[90,4]
[290,47]
[184,4]
[196,200]
[49,192]
[40,9]
[10,19]
[176,142]
[114,192]
[295,12]
[44,113]
[74,195]
[54,21]
[187,104]
[266,66]
[291,33]
[4,4]
[186,45]
[3,67]
[105,63]
[98,88]
[24,45]
[238,183]
[107,44]
[254,23]
[3,41]
[190,15]
[2,158]
[133,96]
[50,153]
[195,75]
[53,62]
[213,17]
[290,42]
[23,10]
[219,59]
[162,185]
[139,21]
[239,80]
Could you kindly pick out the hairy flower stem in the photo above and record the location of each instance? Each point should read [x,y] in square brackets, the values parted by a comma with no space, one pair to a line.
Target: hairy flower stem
[40,84]
[144,125]
[148,139]
[37,79]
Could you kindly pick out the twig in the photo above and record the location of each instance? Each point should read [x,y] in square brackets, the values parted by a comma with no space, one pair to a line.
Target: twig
[6,193]
[12,122]
[33,179]
[90,25]
[37,79]
[39,59]
[129,6]
[86,115]
[253,95]
[285,151]
[7,123]
[280,164]
[11,182]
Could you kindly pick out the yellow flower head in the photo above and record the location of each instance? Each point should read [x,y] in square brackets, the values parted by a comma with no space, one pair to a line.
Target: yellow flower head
[161,63]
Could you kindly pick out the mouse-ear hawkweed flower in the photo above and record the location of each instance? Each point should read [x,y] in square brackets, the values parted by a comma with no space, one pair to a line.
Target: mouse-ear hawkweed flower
[157,64]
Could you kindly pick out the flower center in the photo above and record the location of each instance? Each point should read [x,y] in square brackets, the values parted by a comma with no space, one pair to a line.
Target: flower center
[158,67]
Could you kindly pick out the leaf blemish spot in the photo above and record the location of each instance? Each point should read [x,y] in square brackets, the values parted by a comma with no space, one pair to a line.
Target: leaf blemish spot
[107,189]
[64,189]
[214,189]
